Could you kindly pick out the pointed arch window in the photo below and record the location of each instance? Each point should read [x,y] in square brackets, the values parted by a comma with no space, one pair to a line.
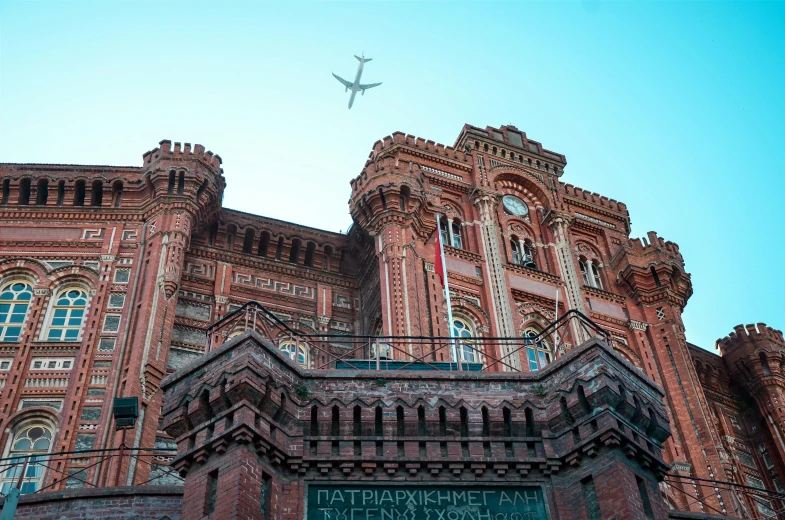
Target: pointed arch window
[31,441]
[522,252]
[538,353]
[463,331]
[67,315]
[15,299]
[457,238]
[297,353]
[590,273]
[443,226]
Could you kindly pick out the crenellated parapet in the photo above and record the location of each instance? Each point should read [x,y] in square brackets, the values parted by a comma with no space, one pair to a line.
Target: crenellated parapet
[755,353]
[755,357]
[344,424]
[187,178]
[596,199]
[652,271]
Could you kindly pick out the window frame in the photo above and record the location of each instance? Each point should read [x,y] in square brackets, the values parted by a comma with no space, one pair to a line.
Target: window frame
[537,352]
[293,351]
[35,473]
[464,353]
[12,306]
[53,308]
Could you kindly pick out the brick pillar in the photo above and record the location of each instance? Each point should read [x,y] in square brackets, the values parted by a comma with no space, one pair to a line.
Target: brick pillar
[234,485]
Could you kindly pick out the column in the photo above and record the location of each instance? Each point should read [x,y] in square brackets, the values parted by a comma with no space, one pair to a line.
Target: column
[560,223]
[494,266]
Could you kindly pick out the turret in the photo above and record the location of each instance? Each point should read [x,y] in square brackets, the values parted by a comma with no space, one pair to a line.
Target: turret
[194,176]
[652,271]
[755,356]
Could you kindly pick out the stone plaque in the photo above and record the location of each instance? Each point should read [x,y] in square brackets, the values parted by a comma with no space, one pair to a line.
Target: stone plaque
[424,502]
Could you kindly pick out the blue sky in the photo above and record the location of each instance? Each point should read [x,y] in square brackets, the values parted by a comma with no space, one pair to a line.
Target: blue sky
[675,108]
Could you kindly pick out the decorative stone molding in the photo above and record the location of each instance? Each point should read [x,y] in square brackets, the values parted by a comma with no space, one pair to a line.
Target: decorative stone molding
[637,325]
[108,258]
[223,300]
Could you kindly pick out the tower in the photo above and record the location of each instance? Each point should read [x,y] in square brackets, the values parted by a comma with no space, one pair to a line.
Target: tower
[652,272]
[183,188]
[755,355]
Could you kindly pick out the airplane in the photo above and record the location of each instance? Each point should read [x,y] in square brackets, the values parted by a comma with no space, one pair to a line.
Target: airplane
[356,85]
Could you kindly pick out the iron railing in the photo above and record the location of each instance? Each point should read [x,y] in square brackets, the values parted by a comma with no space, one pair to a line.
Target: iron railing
[364,352]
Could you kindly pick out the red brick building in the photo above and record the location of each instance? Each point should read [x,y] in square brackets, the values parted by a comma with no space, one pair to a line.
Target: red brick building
[110,278]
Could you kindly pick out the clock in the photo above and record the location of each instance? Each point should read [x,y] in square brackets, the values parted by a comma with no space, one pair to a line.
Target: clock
[515,206]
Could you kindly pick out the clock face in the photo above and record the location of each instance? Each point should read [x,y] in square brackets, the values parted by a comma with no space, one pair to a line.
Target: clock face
[515,206]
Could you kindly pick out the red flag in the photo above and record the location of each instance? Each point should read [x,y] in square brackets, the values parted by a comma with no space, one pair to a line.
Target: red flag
[437,264]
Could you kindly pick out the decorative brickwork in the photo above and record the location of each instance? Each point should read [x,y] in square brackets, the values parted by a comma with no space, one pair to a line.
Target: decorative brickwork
[114,275]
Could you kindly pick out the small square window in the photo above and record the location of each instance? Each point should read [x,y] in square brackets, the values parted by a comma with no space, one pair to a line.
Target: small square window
[66,364]
[37,364]
[116,300]
[122,275]
[106,344]
[111,323]
[52,364]
[5,365]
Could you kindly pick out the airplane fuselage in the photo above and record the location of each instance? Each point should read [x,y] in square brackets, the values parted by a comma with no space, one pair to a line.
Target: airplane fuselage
[356,84]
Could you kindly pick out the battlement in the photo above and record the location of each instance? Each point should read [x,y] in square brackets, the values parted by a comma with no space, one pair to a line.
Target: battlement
[595,198]
[399,138]
[642,246]
[510,136]
[165,150]
[750,337]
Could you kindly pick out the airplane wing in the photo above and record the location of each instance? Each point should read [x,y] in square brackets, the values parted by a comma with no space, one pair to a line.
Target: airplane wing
[347,84]
[369,85]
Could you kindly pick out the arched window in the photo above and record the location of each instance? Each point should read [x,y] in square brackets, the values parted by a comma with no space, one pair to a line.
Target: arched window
[97,194]
[538,354]
[445,233]
[117,193]
[42,192]
[466,346]
[522,253]
[67,315]
[595,274]
[328,254]
[24,192]
[15,298]
[298,354]
[294,251]
[590,273]
[584,271]
[248,241]
[30,439]
[309,250]
[79,190]
[457,239]
[231,230]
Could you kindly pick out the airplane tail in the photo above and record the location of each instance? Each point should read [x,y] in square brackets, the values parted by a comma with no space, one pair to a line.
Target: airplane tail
[363,59]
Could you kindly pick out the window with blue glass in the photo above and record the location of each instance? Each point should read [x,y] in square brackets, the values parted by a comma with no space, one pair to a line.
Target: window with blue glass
[538,354]
[30,444]
[15,299]
[464,332]
[67,315]
[297,353]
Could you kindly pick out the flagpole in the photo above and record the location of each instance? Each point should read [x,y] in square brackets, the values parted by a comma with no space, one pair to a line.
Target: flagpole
[453,351]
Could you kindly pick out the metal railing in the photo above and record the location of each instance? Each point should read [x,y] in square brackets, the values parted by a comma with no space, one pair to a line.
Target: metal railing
[364,352]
